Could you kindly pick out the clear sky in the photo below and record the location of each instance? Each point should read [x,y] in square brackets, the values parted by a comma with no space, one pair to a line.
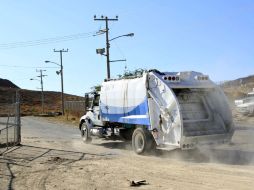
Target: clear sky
[215,37]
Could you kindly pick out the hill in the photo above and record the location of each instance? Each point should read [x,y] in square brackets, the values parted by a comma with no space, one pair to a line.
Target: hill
[31,100]
[238,88]
[7,84]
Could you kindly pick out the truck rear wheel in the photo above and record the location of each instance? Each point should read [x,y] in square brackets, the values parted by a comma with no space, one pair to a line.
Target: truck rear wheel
[142,141]
[84,133]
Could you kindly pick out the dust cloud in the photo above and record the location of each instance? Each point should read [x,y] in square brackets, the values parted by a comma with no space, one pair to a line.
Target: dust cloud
[239,152]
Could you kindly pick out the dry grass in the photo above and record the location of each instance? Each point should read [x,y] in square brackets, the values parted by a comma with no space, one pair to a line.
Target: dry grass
[71,120]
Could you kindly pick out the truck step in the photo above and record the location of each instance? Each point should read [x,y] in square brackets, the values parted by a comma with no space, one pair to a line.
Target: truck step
[167,147]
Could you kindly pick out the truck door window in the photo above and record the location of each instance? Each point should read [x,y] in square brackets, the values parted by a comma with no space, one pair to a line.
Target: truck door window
[96,100]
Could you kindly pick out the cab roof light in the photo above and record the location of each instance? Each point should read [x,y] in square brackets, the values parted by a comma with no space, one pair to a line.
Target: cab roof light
[172,78]
[202,77]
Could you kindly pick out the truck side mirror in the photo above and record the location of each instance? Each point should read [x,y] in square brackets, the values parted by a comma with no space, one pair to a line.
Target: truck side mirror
[86,101]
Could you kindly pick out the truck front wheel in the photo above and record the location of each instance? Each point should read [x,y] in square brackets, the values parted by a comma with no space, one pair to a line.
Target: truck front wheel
[85,133]
[142,141]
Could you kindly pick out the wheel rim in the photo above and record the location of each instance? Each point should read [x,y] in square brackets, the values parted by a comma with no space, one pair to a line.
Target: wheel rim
[84,132]
[139,143]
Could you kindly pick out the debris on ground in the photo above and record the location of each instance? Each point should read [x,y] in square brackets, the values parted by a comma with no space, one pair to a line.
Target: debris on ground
[138,183]
[57,159]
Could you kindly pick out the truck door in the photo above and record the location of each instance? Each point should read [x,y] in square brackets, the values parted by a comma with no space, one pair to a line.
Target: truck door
[96,110]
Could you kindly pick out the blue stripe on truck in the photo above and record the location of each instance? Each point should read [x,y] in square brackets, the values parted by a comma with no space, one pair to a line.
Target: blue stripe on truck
[138,115]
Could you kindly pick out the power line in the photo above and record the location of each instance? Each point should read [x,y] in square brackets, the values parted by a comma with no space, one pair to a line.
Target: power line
[120,50]
[123,55]
[26,67]
[46,40]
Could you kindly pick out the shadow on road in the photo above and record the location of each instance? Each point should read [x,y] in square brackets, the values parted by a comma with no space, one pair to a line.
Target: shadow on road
[126,145]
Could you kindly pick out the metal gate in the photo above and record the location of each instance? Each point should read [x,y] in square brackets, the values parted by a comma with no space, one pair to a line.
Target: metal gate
[10,134]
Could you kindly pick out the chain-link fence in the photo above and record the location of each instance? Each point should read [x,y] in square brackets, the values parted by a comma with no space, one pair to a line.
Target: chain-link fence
[75,108]
[10,134]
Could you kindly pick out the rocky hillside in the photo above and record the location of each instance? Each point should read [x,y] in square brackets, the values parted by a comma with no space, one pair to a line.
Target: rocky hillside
[7,84]
[238,88]
[31,100]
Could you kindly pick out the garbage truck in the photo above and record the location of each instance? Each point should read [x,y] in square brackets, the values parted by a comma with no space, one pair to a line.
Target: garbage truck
[163,110]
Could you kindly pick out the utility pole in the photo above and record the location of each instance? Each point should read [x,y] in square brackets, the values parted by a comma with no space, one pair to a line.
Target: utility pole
[106,19]
[61,71]
[42,91]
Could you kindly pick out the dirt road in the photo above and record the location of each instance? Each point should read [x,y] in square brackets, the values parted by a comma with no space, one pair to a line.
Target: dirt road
[52,156]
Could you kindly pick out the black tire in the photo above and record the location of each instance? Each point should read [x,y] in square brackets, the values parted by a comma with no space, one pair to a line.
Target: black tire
[142,141]
[84,133]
